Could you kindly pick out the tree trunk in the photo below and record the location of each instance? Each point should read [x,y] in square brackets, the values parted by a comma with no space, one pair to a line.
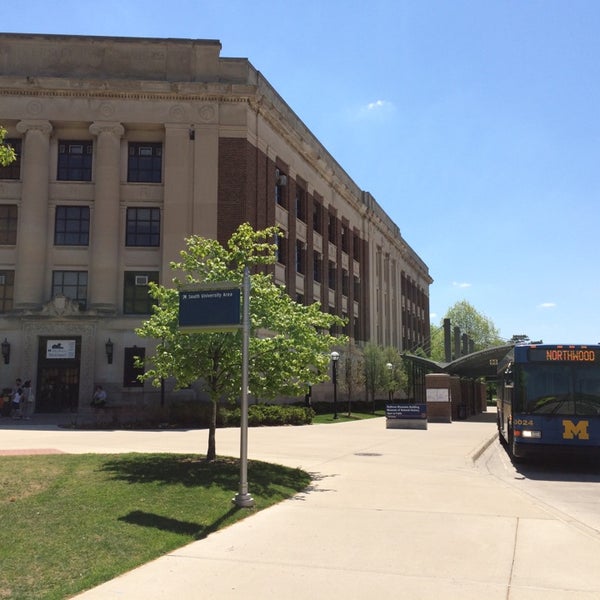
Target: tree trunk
[211,452]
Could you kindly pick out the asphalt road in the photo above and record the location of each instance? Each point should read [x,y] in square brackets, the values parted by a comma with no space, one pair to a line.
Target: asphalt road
[567,486]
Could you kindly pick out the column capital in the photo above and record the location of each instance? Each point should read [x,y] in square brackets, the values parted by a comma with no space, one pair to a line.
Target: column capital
[36,124]
[98,127]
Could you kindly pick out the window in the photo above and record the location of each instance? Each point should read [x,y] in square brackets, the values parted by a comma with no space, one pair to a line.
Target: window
[72,284]
[74,161]
[300,204]
[136,299]
[12,171]
[317,218]
[300,256]
[281,249]
[8,224]
[130,369]
[144,164]
[331,225]
[344,234]
[7,286]
[72,226]
[317,267]
[356,248]
[332,274]
[280,183]
[345,282]
[143,227]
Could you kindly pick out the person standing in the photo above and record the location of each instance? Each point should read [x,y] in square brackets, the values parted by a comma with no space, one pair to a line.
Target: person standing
[17,394]
[27,401]
[99,397]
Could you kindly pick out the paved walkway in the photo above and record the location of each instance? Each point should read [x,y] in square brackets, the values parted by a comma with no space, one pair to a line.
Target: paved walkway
[392,514]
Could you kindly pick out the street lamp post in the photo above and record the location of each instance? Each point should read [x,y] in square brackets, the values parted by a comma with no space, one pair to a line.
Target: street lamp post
[390,368]
[335,356]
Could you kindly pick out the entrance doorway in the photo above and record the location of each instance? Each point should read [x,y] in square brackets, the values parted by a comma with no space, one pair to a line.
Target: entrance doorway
[58,375]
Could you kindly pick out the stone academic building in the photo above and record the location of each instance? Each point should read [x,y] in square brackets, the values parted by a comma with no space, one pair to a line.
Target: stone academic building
[127,146]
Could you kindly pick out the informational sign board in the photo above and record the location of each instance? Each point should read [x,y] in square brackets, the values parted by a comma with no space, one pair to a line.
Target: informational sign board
[441,395]
[406,411]
[406,416]
[209,310]
[60,348]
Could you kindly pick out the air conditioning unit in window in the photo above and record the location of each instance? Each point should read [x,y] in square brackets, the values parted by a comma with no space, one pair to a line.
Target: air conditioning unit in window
[280,178]
[141,280]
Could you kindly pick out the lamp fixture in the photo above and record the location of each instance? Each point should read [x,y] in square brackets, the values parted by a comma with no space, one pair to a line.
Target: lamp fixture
[110,347]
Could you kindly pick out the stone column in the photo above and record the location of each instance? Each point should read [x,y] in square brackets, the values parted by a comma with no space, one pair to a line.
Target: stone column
[30,274]
[177,212]
[103,274]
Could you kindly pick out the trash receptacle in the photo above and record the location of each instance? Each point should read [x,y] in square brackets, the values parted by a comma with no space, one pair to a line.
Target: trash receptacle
[462,412]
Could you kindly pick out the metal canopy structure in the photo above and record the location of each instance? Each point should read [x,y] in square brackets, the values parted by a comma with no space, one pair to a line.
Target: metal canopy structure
[483,363]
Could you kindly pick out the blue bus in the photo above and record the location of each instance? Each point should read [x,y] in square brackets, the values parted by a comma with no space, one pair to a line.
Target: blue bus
[549,398]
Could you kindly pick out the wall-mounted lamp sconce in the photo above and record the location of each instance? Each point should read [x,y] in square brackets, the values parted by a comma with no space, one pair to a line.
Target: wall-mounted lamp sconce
[5,351]
[110,347]
[192,133]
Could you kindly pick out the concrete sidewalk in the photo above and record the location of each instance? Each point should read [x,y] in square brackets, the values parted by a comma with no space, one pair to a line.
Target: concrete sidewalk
[392,513]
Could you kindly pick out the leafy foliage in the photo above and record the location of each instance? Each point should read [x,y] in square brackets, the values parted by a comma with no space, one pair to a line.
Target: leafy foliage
[7,153]
[293,355]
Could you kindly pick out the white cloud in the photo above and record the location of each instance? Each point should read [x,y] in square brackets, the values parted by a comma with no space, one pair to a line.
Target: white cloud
[461,285]
[377,108]
[547,305]
[378,105]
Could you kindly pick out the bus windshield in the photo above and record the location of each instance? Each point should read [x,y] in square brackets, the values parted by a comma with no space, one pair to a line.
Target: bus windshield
[558,389]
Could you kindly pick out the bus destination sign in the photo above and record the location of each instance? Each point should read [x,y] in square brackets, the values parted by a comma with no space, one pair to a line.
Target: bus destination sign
[571,354]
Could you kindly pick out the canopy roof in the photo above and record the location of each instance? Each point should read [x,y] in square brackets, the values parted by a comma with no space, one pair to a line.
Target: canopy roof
[477,364]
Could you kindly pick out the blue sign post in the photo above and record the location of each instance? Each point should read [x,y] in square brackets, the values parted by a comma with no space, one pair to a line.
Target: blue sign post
[206,310]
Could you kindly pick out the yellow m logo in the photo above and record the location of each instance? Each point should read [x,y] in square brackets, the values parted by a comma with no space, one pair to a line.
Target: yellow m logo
[572,430]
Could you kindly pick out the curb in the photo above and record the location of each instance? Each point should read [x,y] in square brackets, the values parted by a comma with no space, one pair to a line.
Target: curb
[477,454]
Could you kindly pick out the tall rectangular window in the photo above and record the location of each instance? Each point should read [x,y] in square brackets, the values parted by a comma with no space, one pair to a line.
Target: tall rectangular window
[332,274]
[72,284]
[331,228]
[300,254]
[7,286]
[317,267]
[136,299]
[74,160]
[12,171]
[143,227]
[72,226]
[317,217]
[131,370]
[281,249]
[144,163]
[300,204]
[280,185]
[8,224]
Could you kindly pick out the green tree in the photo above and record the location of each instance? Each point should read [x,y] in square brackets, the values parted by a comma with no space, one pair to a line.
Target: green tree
[7,153]
[478,327]
[351,373]
[395,377]
[294,355]
[374,371]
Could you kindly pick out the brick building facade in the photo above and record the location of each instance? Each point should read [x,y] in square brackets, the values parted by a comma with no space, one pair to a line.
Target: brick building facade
[127,146]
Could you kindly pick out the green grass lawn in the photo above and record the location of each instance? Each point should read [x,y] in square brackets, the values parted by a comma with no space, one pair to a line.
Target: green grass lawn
[70,522]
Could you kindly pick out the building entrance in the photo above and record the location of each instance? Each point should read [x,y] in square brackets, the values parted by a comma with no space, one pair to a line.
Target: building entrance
[58,375]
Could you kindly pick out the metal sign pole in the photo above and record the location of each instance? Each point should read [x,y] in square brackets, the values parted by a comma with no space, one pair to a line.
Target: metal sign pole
[243,498]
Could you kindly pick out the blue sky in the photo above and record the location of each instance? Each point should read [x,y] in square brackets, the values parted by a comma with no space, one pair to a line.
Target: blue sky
[475,124]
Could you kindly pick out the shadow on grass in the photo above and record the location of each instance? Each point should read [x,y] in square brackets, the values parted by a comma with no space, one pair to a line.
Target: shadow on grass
[194,471]
[195,530]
